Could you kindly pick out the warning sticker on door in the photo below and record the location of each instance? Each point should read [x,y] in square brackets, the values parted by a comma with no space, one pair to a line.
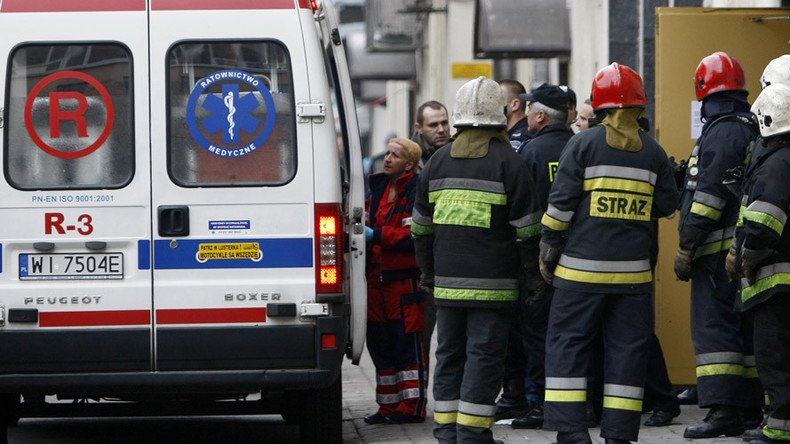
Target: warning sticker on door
[222,251]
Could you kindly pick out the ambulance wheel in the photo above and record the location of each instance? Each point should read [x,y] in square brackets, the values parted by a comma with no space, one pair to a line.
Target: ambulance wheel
[10,404]
[321,415]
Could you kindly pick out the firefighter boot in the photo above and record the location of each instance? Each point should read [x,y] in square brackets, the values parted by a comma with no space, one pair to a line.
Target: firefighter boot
[720,420]
[573,438]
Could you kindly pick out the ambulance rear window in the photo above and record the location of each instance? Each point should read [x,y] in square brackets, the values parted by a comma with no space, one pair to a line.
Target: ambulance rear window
[69,111]
[231,114]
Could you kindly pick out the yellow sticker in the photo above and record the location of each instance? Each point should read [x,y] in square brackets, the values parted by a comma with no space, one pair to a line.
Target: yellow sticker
[217,251]
[620,205]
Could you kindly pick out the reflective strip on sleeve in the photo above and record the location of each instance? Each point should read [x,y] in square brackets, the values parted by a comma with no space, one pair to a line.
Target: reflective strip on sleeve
[418,218]
[705,211]
[719,358]
[709,200]
[719,240]
[527,226]
[719,369]
[767,278]
[554,224]
[421,230]
[767,214]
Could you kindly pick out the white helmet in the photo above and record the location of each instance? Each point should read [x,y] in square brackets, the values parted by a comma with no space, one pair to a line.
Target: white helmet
[479,103]
[776,71]
[772,109]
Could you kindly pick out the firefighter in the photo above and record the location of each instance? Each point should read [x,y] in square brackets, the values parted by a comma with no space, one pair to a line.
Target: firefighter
[777,71]
[613,181]
[764,252]
[475,216]
[395,302]
[726,381]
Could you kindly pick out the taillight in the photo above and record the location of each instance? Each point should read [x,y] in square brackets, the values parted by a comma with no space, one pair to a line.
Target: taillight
[314,5]
[328,248]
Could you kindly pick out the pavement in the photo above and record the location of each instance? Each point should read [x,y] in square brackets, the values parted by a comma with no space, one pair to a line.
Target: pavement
[359,388]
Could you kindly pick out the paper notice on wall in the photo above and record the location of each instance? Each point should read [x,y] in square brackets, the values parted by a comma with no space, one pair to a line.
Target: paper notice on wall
[696,122]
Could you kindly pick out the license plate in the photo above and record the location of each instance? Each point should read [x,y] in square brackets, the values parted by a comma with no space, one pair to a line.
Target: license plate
[71,266]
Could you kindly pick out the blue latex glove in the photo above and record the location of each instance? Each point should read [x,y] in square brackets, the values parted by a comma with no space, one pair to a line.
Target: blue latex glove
[368,234]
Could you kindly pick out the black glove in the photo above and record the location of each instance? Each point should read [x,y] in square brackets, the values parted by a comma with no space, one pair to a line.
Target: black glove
[549,257]
[729,264]
[536,289]
[751,261]
[683,259]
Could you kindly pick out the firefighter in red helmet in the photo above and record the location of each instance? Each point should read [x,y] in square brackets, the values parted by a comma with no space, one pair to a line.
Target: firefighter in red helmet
[613,181]
[727,382]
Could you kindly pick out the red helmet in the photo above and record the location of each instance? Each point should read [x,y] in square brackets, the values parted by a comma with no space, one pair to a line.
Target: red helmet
[617,86]
[718,72]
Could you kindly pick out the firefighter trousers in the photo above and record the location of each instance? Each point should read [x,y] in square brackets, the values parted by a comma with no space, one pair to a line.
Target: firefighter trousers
[574,321]
[394,339]
[772,350]
[723,347]
[468,373]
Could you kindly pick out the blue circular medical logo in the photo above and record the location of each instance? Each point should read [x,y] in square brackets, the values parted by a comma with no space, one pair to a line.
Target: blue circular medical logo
[231,114]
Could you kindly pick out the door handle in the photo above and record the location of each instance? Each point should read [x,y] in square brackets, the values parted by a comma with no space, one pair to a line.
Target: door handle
[173,221]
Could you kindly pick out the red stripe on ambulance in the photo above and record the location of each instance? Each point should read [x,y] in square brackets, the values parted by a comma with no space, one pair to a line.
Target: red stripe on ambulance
[189,5]
[71,5]
[210,315]
[93,318]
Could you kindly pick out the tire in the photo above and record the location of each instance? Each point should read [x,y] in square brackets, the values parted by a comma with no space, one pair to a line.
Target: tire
[321,415]
[10,406]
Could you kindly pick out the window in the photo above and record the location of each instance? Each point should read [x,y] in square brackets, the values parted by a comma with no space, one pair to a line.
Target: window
[69,117]
[231,114]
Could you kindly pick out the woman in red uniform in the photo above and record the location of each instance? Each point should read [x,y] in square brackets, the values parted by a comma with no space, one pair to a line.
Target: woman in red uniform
[396,316]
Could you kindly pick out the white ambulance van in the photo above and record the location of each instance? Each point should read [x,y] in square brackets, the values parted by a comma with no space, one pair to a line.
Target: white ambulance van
[182,208]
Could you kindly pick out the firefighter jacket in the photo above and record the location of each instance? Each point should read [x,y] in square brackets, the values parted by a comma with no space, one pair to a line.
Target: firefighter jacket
[472,211]
[519,135]
[764,225]
[542,154]
[708,210]
[605,201]
[392,246]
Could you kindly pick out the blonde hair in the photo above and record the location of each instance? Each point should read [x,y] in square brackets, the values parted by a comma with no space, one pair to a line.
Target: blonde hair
[413,152]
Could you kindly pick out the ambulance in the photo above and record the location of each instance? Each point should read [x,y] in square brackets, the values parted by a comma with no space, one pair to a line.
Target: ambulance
[181,219]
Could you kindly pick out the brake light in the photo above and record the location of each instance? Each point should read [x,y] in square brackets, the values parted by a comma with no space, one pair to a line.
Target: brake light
[314,5]
[329,248]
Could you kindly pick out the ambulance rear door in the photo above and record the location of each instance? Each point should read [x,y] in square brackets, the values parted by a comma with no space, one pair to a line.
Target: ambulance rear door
[355,202]
[233,185]
[75,276]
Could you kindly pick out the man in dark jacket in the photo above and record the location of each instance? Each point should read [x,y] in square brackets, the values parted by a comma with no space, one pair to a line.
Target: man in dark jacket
[547,114]
[432,128]
[474,216]
[515,112]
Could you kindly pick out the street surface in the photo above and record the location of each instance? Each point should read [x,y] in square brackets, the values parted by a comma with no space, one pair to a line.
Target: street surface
[358,401]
